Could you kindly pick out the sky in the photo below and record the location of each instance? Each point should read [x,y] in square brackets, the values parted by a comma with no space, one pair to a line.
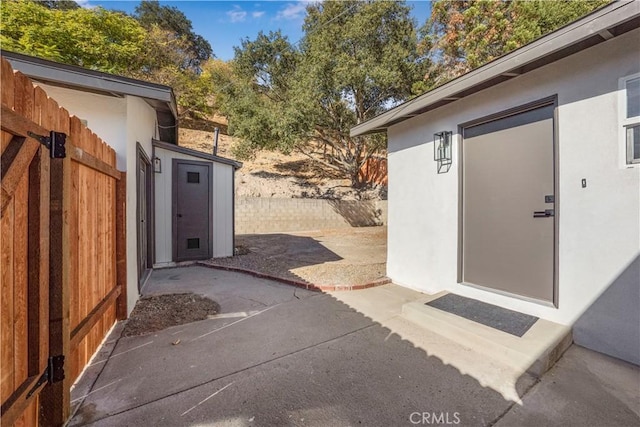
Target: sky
[225,23]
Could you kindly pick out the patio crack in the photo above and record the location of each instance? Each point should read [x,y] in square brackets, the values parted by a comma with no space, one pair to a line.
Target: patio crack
[254,300]
[248,368]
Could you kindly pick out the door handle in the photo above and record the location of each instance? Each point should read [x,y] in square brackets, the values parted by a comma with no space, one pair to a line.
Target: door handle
[179,215]
[543,214]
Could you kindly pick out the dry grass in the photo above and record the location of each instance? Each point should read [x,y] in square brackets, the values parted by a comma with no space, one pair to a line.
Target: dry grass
[270,173]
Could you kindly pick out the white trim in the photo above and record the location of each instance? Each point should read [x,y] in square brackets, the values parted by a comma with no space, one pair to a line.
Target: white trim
[624,122]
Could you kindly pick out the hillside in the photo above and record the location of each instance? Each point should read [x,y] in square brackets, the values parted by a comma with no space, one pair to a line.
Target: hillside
[273,174]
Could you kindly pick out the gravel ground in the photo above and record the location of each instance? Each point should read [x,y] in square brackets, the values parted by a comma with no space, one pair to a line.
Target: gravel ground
[350,256]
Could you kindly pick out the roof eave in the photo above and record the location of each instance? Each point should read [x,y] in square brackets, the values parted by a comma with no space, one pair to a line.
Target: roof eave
[68,75]
[195,153]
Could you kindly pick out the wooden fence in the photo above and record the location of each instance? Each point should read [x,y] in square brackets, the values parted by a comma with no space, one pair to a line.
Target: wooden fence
[375,171]
[62,253]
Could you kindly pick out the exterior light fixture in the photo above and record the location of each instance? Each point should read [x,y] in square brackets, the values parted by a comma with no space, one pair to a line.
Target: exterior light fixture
[442,150]
[157,165]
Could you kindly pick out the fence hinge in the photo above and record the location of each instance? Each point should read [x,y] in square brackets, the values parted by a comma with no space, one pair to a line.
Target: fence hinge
[52,374]
[54,142]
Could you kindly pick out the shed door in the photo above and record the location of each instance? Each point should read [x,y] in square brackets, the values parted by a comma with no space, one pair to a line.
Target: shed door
[143,217]
[508,202]
[192,209]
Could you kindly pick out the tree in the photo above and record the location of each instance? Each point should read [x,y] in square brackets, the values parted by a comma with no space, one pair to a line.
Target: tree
[174,55]
[92,38]
[58,4]
[113,42]
[535,18]
[462,35]
[169,18]
[356,59]
[254,92]
[161,61]
[359,58]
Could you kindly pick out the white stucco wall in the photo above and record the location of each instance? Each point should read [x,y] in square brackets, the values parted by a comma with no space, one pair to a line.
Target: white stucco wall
[222,215]
[223,210]
[141,128]
[599,226]
[105,115]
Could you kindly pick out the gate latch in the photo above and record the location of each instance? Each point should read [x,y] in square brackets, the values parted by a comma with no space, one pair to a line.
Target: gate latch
[54,142]
[52,374]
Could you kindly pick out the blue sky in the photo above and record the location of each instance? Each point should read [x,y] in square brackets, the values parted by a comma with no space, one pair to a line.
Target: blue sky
[225,23]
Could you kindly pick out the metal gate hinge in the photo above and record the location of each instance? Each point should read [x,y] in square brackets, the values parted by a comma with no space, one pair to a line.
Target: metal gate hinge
[54,142]
[56,369]
[52,374]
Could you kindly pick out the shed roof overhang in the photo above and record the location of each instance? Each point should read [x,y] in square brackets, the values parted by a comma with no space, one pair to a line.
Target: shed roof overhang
[198,154]
[604,24]
[159,97]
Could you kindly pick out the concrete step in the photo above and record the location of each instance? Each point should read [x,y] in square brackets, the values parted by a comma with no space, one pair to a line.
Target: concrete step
[535,352]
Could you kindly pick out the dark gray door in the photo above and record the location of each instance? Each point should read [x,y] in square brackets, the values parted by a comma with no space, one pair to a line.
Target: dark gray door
[143,215]
[192,210]
[508,201]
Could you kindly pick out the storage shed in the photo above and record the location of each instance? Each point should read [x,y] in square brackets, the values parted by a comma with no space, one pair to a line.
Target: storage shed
[194,204]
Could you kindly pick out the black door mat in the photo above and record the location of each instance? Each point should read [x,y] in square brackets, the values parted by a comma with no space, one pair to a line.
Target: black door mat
[499,318]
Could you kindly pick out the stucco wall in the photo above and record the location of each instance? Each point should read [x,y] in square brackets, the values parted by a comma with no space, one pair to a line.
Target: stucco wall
[223,210]
[140,129]
[613,315]
[599,226]
[222,215]
[255,215]
[105,115]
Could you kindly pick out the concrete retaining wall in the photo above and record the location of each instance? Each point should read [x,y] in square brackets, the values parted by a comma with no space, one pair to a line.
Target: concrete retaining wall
[255,215]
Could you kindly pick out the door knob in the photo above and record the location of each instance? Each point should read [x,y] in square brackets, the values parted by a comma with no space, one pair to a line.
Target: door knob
[179,215]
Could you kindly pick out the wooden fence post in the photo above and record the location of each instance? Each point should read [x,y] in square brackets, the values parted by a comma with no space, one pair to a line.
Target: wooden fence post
[55,398]
[121,245]
[38,261]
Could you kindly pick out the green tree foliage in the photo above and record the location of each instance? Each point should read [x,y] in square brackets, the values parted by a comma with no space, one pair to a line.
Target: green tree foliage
[161,47]
[356,59]
[58,4]
[92,38]
[255,92]
[462,35]
[174,56]
[162,60]
[196,49]
[535,18]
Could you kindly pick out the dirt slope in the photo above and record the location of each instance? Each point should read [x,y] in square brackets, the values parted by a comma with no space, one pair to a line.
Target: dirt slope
[273,174]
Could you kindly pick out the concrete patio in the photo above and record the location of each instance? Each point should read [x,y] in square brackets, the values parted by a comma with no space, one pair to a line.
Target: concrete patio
[280,355]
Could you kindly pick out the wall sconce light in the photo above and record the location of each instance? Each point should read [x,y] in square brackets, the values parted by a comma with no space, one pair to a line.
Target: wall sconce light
[442,150]
[157,165]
